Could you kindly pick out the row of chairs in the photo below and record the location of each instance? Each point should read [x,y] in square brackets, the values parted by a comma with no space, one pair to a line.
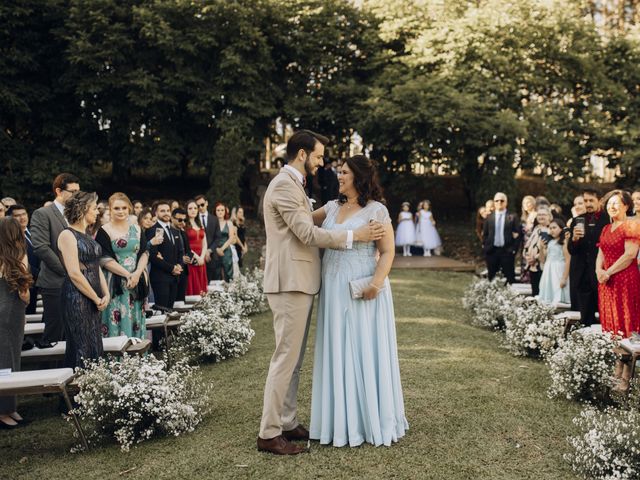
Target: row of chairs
[60,380]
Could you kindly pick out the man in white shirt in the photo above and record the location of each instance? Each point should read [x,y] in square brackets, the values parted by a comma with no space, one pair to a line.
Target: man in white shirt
[500,239]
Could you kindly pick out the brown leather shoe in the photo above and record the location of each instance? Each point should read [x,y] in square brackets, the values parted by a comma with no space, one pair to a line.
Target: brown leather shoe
[278,446]
[298,433]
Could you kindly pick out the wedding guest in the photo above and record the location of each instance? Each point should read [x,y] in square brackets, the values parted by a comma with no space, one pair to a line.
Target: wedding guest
[8,202]
[3,210]
[125,257]
[578,208]
[635,196]
[46,225]
[166,267]
[137,207]
[328,181]
[84,293]
[178,222]
[531,250]
[616,271]
[501,239]
[426,233]
[527,220]
[224,242]
[618,276]
[584,250]
[554,284]
[241,246]
[145,219]
[15,281]
[406,230]
[212,230]
[174,204]
[19,212]
[355,355]
[481,216]
[197,245]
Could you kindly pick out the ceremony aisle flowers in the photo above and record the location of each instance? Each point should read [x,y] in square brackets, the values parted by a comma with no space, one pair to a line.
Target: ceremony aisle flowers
[247,292]
[607,446]
[531,328]
[582,365]
[135,398]
[488,302]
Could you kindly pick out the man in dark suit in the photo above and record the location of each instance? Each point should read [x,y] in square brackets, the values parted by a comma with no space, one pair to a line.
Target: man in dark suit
[178,221]
[165,258]
[46,225]
[584,236]
[501,236]
[328,180]
[19,212]
[212,230]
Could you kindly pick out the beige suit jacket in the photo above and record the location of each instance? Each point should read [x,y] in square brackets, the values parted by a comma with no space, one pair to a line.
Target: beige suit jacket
[293,258]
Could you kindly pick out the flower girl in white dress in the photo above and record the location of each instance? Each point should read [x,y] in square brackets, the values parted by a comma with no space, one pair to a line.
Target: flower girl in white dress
[406,231]
[426,233]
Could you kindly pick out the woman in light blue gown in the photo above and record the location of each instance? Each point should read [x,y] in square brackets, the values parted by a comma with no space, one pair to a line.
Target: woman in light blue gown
[357,393]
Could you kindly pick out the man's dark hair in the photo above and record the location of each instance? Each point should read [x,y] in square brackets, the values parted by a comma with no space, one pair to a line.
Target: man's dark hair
[303,140]
[590,191]
[15,207]
[201,197]
[178,211]
[156,204]
[64,179]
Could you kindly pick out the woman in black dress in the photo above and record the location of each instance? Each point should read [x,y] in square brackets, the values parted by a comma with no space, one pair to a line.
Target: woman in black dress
[84,292]
[15,281]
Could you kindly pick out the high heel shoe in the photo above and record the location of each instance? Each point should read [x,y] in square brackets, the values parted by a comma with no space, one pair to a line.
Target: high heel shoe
[6,426]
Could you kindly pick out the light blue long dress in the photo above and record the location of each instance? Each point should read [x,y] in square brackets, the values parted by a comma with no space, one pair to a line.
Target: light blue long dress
[357,394]
[552,271]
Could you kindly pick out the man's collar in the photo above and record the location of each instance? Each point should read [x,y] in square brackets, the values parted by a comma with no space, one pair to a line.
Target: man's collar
[164,224]
[297,173]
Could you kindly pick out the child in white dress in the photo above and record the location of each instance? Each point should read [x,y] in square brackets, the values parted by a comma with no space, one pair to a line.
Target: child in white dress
[426,232]
[406,231]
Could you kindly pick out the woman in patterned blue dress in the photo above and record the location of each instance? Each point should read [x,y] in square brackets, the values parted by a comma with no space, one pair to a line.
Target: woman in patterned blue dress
[357,393]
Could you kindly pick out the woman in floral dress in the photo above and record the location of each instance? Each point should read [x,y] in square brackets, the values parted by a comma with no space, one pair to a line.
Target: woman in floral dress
[125,259]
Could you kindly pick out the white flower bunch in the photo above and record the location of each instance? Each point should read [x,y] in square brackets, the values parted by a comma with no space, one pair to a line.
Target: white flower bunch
[207,334]
[488,302]
[136,397]
[247,291]
[582,365]
[531,328]
[608,444]
[221,304]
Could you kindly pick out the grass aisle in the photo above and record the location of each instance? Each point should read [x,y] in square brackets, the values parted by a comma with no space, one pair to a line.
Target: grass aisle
[474,412]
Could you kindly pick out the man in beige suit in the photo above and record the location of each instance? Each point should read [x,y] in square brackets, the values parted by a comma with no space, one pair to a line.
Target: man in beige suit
[291,280]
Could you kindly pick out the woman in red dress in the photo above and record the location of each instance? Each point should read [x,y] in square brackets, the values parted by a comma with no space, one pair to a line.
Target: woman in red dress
[616,269]
[197,279]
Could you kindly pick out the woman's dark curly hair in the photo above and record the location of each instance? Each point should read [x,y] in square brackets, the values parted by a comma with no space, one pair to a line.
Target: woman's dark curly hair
[365,180]
[12,252]
[78,205]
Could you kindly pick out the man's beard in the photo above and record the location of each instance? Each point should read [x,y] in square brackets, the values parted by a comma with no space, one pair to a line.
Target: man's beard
[308,169]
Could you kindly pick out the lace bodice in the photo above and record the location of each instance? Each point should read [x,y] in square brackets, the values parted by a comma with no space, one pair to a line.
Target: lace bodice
[359,261]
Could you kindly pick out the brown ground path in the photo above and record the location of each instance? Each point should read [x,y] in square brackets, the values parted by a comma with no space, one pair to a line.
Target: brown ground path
[432,263]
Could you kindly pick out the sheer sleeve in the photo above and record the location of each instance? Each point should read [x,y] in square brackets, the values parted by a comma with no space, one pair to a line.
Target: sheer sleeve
[381,214]
[330,208]
[632,231]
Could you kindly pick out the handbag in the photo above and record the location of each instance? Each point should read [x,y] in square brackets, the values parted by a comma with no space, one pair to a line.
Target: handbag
[356,287]
[142,289]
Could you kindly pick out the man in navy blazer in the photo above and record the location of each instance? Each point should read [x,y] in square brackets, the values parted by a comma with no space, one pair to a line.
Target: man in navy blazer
[501,237]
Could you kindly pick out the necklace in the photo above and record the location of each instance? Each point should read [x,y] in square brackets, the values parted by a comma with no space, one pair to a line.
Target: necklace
[349,204]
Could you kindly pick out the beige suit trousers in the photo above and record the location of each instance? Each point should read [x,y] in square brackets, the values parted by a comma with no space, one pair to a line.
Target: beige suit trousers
[291,318]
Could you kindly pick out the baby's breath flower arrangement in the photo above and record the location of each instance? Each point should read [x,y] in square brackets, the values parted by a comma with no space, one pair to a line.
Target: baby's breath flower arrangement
[582,365]
[531,328]
[135,398]
[488,302]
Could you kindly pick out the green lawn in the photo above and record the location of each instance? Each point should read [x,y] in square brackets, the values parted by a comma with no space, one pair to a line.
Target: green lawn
[475,412]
